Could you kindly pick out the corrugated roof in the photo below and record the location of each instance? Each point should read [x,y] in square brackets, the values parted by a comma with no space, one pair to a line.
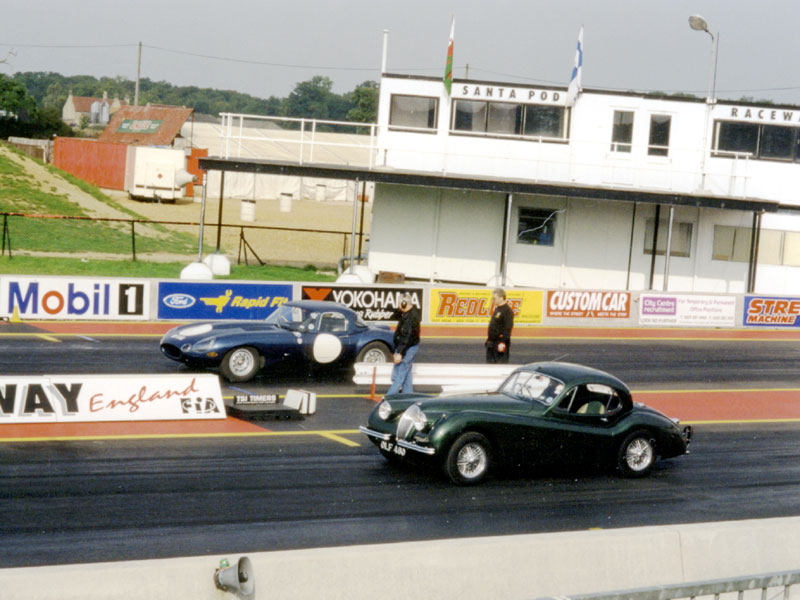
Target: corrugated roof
[146,125]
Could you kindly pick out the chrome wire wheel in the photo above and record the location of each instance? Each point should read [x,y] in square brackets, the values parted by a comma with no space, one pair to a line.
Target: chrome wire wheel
[472,461]
[374,355]
[469,459]
[639,454]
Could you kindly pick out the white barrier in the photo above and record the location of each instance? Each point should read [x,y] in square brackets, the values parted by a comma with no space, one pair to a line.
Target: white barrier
[450,376]
[508,567]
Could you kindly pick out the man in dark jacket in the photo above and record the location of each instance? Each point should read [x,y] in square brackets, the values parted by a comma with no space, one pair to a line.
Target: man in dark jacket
[406,344]
[502,322]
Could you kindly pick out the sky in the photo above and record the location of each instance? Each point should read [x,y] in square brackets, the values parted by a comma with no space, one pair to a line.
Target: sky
[265,48]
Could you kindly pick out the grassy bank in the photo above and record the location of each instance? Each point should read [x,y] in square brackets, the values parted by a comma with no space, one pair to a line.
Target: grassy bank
[34,265]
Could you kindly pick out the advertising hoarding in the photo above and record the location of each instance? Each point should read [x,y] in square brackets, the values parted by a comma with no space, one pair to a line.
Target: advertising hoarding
[179,300]
[474,305]
[371,303]
[687,310]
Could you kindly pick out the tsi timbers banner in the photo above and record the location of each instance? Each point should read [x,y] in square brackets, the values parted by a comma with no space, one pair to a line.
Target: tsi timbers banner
[182,300]
[371,303]
[771,311]
[74,298]
[81,398]
[576,304]
[667,309]
[475,305]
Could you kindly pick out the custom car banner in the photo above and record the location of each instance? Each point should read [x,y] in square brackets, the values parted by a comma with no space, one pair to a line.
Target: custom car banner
[84,398]
[699,311]
[66,298]
[771,311]
[182,300]
[474,305]
[370,302]
[577,304]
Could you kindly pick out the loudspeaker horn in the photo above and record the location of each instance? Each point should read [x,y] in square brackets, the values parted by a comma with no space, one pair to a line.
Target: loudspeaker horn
[183,177]
[238,579]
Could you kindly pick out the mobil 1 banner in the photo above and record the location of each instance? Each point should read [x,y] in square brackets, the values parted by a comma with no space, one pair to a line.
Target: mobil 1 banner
[370,302]
[30,297]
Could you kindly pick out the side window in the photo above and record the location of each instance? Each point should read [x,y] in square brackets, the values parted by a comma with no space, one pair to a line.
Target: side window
[536,226]
[418,112]
[591,399]
[658,144]
[622,131]
[333,323]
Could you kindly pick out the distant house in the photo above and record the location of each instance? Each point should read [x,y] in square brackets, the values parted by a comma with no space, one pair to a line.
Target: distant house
[97,110]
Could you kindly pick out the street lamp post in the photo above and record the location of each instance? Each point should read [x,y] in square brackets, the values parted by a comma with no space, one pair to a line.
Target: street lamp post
[698,23]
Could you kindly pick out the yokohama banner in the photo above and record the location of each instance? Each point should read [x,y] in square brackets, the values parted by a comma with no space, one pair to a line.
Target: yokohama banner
[371,303]
[80,398]
[589,305]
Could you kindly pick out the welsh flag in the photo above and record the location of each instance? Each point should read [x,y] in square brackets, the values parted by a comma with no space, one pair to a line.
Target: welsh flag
[448,69]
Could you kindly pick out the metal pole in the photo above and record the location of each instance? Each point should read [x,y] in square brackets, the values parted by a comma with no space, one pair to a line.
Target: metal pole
[630,248]
[385,50]
[133,239]
[219,217]
[138,73]
[506,234]
[353,236]
[655,245]
[202,219]
[669,248]
[361,226]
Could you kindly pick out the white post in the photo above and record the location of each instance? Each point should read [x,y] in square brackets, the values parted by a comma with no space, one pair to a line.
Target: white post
[385,55]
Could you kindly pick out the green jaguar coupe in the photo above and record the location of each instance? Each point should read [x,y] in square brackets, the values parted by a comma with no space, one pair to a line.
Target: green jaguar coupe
[547,412]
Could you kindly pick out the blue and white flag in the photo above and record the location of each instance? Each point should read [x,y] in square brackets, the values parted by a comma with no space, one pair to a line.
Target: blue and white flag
[577,73]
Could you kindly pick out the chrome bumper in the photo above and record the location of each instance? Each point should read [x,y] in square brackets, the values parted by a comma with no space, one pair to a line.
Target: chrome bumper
[388,437]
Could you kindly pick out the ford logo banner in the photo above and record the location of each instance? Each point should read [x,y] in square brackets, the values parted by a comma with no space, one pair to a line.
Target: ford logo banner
[179,301]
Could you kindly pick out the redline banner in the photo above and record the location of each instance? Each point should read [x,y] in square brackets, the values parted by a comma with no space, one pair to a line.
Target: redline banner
[474,305]
[771,311]
[96,398]
[67,298]
[588,305]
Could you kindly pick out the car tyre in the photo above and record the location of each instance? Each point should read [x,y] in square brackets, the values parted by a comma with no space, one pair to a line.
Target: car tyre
[240,364]
[469,459]
[374,352]
[637,454]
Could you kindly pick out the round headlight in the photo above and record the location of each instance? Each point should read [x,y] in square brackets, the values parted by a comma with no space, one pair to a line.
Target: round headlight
[420,420]
[384,410]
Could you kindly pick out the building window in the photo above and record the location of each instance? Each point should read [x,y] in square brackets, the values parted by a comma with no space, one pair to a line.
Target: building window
[681,243]
[544,121]
[622,131]
[658,145]
[774,247]
[777,142]
[470,116]
[768,142]
[504,118]
[417,112]
[536,226]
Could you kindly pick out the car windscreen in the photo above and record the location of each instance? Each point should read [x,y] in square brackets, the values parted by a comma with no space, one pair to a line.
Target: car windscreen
[294,318]
[532,386]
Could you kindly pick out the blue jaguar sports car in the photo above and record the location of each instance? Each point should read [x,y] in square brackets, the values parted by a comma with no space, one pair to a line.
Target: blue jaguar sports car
[299,332]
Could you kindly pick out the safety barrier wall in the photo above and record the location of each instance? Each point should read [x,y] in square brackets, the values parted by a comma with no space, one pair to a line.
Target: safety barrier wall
[92,298]
[508,567]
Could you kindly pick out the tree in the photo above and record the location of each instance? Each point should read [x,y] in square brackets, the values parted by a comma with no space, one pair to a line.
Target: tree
[311,99]
[365,98]
[14,99]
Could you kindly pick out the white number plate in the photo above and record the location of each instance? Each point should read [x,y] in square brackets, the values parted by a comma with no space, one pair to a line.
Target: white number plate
[394,448]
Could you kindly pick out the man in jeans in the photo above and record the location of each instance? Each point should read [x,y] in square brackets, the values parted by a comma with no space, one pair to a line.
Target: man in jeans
[406,344]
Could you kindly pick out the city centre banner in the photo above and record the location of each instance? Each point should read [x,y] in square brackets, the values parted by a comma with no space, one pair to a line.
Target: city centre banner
[698,311]
[96,398]
[474,305]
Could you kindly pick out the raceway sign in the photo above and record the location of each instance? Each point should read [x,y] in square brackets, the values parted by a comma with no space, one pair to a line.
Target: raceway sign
[78,298]
[771,311]
[181,300]
[371,303]
[85,398]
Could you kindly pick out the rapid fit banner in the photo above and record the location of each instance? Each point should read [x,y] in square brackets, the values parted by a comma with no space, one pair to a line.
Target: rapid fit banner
[370,302]
[182,300]
[475,305]
[87,398]
[686,310]
[771,311]
[65,298]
